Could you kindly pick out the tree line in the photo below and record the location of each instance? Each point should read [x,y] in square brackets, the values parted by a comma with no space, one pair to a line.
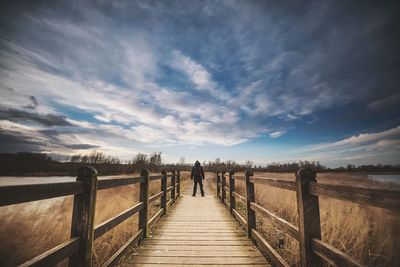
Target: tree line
[25,163]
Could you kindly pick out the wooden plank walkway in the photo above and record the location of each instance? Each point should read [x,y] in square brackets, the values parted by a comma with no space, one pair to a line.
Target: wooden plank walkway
[197,231]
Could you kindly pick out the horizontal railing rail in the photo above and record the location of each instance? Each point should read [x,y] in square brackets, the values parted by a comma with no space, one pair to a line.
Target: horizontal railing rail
[83,232]
[15,194]
[308,230]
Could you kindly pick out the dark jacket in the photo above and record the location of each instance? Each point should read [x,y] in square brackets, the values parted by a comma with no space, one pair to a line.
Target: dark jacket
[197,172]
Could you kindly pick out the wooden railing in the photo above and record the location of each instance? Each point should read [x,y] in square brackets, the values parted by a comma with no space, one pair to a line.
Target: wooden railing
[83,231]
[308,230]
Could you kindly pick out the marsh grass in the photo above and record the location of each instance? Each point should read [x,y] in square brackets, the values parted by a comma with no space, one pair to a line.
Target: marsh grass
[29,229]
[368,234]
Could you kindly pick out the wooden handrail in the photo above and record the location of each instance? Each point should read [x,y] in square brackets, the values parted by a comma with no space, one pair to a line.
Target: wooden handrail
[113,260]
[83,232]
[288,185]
[239,196]
[155,217]
[332,254]
[111,183]
[382,198]
[240,218]
[308,233]
[109,224]
[156,196]
[290,229]
[15,194]
[155,177]
[55,255]
[276,258]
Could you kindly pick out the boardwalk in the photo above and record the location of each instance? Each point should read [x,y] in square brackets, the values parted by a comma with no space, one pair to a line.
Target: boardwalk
[197,232]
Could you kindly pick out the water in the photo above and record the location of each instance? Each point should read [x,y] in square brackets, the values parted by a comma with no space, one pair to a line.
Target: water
[392,178]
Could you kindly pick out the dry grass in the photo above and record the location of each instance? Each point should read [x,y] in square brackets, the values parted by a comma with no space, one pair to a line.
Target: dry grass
[370,235]
[29,229]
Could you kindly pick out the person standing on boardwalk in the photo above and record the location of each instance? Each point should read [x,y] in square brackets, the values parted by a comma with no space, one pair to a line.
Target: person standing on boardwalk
[198,176]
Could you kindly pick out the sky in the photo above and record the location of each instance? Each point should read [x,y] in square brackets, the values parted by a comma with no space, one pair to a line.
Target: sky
[266,81]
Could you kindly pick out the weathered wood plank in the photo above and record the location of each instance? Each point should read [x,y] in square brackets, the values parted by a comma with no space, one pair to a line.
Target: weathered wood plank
[155,197]
[288,185]
[173,185]
[198,260]
[155,218]
[155,177]
[194,265]
[82,225]
[178,231]
[240,197]
[223,185]
[201,242]
[121,252]
[289,228]
[15,194]
[381,198]
[169,203]
[250,197]
[240,218]
[218,185]
[196,253]
[164,190]
[309,218]
[199,238]
[178,180]
[144,198]
[276,258]
[110,183]
[116,220]
[198,234]
[55,255]
[211,247]
[333,255]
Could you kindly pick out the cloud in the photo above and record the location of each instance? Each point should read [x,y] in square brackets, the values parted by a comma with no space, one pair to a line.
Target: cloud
[43,119]
[385,103]
[81,146]
[276,134]
[197,74]
[132,76]
[365,148]
[364,138]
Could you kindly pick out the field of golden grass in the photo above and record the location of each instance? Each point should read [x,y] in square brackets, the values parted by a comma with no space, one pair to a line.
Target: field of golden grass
[28,229]
[370,235]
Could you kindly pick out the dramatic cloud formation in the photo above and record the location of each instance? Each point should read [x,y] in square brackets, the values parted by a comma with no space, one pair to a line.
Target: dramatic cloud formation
[218,76]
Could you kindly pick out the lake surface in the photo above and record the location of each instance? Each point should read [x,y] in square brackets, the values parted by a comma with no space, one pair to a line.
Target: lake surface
[392,178]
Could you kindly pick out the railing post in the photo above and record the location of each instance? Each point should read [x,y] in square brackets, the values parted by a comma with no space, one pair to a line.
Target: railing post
[173,182]
[218,188]
[223,182]
[144,197]
[309,218]
[164,189]
[232,200]
[83,217]
[250,197]
[178,180]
